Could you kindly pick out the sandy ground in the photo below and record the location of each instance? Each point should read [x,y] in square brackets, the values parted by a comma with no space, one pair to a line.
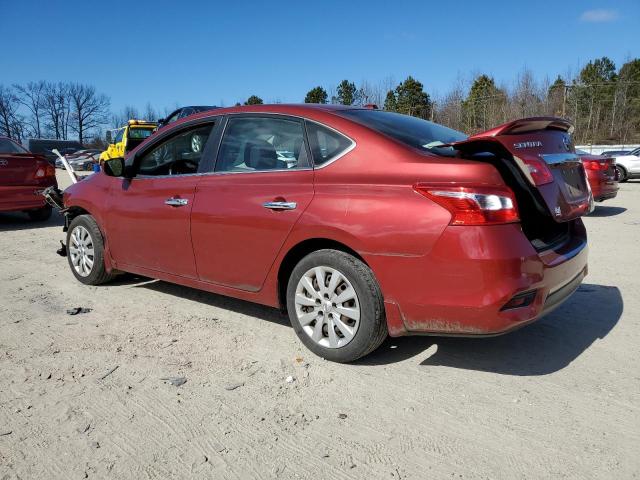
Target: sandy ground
[557,399]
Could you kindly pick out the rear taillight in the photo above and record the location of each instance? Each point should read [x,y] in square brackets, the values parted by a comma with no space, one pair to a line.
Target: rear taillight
[595,165]
[538,170]
[473,205]
[46,171]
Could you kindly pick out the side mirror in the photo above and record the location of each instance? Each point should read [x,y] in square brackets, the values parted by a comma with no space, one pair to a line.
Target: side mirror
[108,136]
[114,167]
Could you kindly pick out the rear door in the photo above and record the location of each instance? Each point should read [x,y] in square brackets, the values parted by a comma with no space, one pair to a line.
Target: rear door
[245,210]
[543,152]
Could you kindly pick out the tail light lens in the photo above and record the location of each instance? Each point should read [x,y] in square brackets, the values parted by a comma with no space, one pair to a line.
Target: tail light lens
[45,171]
[538,170]
[471,205]
[596,165]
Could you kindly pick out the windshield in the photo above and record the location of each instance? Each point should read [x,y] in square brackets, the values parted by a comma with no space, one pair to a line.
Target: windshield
[9,146]
[411,131]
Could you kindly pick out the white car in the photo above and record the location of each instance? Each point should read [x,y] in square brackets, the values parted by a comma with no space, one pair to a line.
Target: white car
[628,165]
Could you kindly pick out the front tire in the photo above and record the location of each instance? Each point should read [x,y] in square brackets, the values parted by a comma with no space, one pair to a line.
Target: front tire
[85,251]
[41,214]
[335,306]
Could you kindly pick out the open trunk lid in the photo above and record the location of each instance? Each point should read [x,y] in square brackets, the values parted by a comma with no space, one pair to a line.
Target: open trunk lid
[543,154]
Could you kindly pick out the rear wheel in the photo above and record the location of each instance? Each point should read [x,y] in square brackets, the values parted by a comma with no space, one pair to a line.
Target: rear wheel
[85,251]
[41,214]
[622,173]
[335,306]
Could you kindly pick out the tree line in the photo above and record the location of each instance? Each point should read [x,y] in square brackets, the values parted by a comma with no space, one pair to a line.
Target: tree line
[601,100]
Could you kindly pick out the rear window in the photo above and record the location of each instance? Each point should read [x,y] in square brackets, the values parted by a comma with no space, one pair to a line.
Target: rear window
[411,131]
[9,146]
[326,144]
[140,133]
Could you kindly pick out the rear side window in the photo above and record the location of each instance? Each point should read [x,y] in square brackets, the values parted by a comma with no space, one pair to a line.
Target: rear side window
[326,144]
[253,144]
[8,146]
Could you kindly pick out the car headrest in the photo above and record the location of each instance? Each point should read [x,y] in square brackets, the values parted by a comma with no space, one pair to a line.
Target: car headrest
[260,155]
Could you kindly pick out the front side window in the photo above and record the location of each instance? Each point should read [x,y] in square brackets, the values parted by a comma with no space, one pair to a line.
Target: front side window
[179,155]
[260,144]
[326,144]
[119,135]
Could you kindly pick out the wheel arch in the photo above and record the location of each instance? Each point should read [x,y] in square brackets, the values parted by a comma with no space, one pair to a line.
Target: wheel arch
[301,250]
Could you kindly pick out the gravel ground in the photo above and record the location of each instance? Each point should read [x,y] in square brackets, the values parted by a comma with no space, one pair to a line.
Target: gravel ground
[84,397]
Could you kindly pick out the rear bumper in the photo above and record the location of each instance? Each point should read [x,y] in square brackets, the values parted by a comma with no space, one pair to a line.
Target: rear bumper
[22,197]
[464,285]
[602,187]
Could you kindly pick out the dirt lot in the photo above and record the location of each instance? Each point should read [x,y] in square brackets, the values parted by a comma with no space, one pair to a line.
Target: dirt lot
[557,399]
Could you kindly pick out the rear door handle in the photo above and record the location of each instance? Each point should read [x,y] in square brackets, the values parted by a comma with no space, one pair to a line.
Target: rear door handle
[280,205]
[176,202]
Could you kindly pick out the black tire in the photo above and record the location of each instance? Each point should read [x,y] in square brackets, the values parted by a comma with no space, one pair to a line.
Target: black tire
[98,273]
[622,174]
[372,329]
[41,214]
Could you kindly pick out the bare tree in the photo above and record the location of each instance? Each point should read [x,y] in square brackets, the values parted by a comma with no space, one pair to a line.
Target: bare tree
[11,122]
[128,113]
[150,113]
[31,96]
[88,110]
[55,107]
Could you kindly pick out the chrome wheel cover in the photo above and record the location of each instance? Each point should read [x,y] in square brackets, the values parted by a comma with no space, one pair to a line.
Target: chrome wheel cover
[327,307]
[81,250]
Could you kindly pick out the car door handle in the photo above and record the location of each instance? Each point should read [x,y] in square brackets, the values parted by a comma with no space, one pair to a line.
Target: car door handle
[176,202]
[280,205]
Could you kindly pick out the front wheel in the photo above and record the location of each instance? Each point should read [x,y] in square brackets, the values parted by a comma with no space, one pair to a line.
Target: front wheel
[335,306]
[85,251]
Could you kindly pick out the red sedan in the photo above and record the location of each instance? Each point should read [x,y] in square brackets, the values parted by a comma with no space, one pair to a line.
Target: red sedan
[360,223]
[602,175]
[23,176]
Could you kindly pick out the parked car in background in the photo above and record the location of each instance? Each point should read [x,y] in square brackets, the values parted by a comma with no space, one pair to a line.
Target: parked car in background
[44,146]
[88,155]
[385,224]
[122,140]
[614,153]
[601,174]
[23,177]
[628,165]
[183,112]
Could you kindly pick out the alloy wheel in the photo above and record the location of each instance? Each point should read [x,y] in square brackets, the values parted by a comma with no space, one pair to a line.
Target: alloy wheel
[81,251]
[327,307]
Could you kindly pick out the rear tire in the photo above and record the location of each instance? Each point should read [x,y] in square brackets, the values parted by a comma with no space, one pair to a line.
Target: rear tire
[622,174]
[41,214]
[85,251]
[340,320]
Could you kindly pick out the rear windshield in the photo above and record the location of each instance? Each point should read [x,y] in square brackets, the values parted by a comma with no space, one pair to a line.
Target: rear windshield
[411,131]
[140,133]
[8,146]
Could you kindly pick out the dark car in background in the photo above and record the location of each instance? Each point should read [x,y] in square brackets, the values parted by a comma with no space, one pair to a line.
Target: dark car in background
[23,177]
[601,174]
[183,112]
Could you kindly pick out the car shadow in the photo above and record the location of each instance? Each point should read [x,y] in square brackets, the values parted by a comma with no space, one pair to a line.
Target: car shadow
[541,348]
[20,221]
[243,307]
[606,211]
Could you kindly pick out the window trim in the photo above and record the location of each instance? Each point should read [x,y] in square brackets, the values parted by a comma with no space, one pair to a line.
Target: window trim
[203,166]
[298,119]
[335,157]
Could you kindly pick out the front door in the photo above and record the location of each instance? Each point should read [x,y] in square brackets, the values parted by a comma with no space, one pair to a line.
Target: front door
[244,212]
[148,220]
